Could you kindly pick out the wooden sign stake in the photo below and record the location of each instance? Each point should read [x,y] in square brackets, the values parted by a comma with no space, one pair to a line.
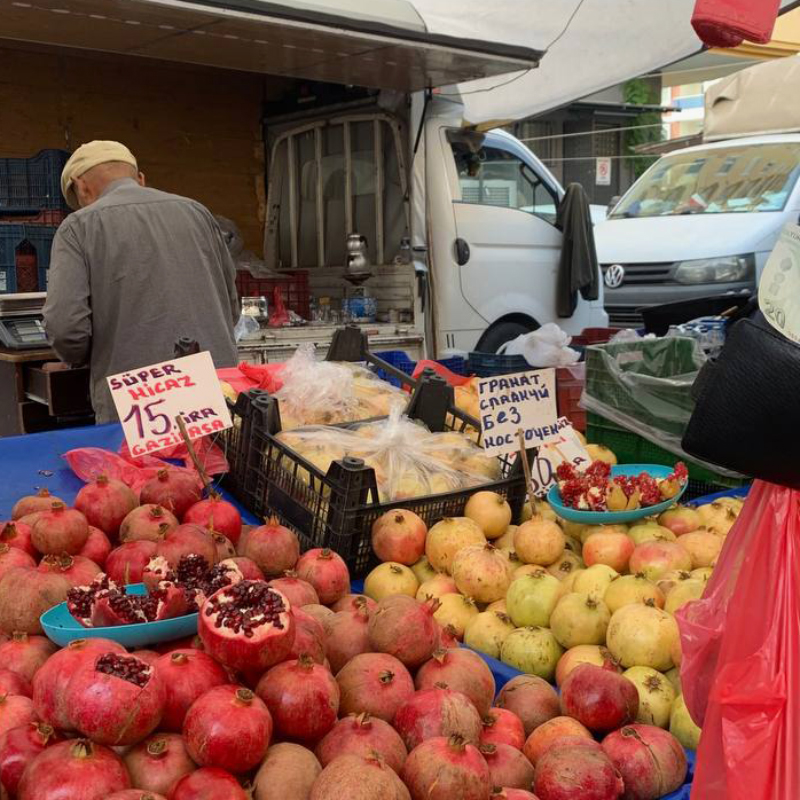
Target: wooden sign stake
[525,465]
[192,454]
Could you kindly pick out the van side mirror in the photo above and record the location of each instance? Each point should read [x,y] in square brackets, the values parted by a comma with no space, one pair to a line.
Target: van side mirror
[614,200]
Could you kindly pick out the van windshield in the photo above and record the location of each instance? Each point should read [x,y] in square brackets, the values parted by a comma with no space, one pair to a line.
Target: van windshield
[721,180]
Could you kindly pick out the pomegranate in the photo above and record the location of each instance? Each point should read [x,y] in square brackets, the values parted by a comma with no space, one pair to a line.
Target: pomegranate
[208,783]
[612,549]
[158,763]
[298,592]
[593,580]
[303,698]
[114,607]
[358,776]
[424,570]
[532,598]
[19,746]
[703,547]
[76,569]
[404,628]
[508,767]
[309,637]
[321,614]
[447,637]
[655,559]
[437,587]
[12,683]
[389,579]
[566,565]
[534,651]
[643,635]
[18,534]
[551,733]
[455,611]
[326,572]
[148,656]
[81,600]
[501,726]
[273,547]
[539,541]
[656,695]
[33,503]
[361,735]
[585,654]
[97,547]
[26,655]
[490,511]
[443,768]
[487,631]
[218,515]
[580,619]
[187,540]
[375,683]
[651,761]
[105,503]
[437,712]
[287,773]
[532,699]
[680,520]
[247,626]
[15,710]
[449,536]
[639,534]
[50,682]
[598,698]
[718,517]
[463,671]
[511,794]
[115,699]
[354,602]
[172,489]
[627,589]
[187,674]
[25,594]
[571,771]
[135,794]
[682,726]
[150,523]
[223,545]
[13,558]
[60,530]
[348,637]
[399,536]
[74,768]
[228,727]
[482,572]
[126,563]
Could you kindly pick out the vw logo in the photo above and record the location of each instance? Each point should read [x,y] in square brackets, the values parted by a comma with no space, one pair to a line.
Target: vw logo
[614,276]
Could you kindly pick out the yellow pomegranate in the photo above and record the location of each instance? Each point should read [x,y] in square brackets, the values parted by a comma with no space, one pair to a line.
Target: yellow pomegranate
[490,511]
[449,536]
[482,572]
[456,610]
[437,587]
[388,579]
[539,541]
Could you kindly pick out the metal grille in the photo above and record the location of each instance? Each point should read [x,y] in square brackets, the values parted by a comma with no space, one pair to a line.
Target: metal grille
[639,274]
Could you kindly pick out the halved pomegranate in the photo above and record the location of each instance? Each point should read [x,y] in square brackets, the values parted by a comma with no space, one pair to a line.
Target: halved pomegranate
[118,608]
[81,599]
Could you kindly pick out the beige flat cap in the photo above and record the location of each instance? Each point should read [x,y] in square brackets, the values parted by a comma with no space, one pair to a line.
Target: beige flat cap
[90,155]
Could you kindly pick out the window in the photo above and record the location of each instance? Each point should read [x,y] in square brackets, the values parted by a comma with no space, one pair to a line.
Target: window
[491,176]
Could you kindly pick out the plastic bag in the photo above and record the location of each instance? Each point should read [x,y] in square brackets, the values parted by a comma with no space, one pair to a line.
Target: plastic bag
[278,314]
[246,327]
[741,656]
[547,346]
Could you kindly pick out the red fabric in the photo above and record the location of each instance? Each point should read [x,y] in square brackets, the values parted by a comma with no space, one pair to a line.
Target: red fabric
[236,378]
[263,376]
[741,656]
[727,23]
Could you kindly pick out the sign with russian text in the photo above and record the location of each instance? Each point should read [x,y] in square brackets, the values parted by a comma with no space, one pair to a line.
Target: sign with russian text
[150,400]
[567,449]
[524,400]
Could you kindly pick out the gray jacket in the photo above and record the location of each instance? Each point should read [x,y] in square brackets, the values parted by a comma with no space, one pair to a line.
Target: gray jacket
[132,273]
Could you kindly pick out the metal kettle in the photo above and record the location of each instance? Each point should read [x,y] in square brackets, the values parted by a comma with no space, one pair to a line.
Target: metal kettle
[357,260]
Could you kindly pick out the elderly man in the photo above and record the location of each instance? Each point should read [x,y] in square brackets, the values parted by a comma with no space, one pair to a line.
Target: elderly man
[133,270]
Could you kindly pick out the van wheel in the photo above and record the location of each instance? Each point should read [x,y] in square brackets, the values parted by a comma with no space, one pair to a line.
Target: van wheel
[496,337]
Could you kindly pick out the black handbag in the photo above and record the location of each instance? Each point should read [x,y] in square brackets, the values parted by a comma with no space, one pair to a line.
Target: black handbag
[747,405]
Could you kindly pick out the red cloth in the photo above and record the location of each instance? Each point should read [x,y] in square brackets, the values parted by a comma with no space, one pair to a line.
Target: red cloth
[727,23]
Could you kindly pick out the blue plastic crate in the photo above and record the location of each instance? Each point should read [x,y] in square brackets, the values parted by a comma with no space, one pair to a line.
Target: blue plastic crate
[456,364]
[398,359]
[28,185]
[486,365]
[15,236]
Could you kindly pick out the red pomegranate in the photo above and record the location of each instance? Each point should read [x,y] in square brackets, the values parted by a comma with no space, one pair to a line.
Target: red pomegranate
[249,569]
[501,726]
[15,710]
[321,614]
[125,564]
[598,698]
[309,637]
[148,656]
[375,683]
[25,594]
[158,763]
[531,698]
[348,637]
[97,547]
[437,712]
[362,735]
[303,698]
[33,503]
[273,547]
[117,608]
[354,602]
[135,794]
[326,572]
[652,761]
[224,546]
[187,540]
[78,570]
[208,783]
[217,515]
[187,674]
[448,638]
[354,776]
[508,767]
[399,536]
[405,628]
[150,523]
[50,682]
[105,503]
[247,626]
[74,768]
[12,558]
[25,654]
[18,534]
[81,600]
[12,683]
[463,671]
[511,794]
[576,772]
[174,490]
[60,530]
[443,768]
[19,746]
[298,592]
[115,699]
[552,733]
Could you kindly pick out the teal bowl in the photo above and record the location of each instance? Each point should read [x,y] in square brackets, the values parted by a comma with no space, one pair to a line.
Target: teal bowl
[62,628]
[658,471]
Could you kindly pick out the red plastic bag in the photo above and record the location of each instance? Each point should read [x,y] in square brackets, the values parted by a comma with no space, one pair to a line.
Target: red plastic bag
[727,23]
[279,315]
[741,656]
[263,376]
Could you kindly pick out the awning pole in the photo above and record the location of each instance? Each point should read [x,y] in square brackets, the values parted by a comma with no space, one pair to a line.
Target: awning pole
[428,96]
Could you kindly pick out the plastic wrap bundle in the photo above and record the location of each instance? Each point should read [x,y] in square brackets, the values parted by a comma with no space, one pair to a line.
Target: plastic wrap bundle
[409,461]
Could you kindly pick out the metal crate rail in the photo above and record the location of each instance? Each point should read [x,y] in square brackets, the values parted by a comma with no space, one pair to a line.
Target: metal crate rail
[28,185]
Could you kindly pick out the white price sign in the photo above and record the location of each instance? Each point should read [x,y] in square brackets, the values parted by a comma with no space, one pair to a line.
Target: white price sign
[779,288]
[567,449]
[150,400]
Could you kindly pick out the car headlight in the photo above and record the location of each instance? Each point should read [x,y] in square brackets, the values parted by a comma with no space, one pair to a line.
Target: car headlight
[727,269]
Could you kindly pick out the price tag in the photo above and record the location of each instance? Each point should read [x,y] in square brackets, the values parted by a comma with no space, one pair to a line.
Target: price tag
[566,449]
[150,399]
[779,288]
[524,400]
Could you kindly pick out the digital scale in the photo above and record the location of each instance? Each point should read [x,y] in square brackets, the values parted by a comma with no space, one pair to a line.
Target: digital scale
[22,322]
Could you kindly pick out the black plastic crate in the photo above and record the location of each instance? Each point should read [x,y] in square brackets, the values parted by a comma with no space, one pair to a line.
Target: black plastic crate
[34,241]
[28,185]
